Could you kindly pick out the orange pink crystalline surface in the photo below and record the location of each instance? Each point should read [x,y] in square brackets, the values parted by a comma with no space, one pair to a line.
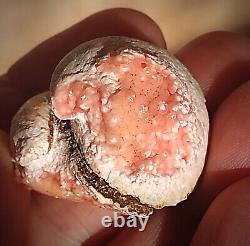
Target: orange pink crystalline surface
[136,111]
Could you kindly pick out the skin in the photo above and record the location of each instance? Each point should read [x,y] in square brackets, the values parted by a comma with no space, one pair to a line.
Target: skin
[218,210]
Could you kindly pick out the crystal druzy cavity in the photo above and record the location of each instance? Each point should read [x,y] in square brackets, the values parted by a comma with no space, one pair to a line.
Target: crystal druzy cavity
[138,119]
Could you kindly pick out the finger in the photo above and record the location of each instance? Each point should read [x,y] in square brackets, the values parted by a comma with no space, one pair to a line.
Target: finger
[220,61]
[56,222]
[14,199]
[227,162]
[229,151]
[228,159]
[227,220]
[32,73]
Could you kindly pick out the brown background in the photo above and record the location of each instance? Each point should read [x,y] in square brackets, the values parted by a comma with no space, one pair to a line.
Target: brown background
[24,24]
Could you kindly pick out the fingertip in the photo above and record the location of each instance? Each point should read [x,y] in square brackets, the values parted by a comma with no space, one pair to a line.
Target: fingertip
[132,23]
[32,73]
[149,29]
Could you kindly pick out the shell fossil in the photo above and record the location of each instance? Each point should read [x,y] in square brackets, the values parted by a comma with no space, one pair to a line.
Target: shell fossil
[123,126]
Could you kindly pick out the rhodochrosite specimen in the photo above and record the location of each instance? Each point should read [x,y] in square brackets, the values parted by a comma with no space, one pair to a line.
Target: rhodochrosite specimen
[124,126]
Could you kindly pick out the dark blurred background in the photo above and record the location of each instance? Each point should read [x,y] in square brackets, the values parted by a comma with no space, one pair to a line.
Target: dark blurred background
[24,24]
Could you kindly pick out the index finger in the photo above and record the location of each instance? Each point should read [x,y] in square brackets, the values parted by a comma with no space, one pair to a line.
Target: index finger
[33,71]
[31,74]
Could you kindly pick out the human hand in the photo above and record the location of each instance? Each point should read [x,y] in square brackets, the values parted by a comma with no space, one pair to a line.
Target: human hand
[220,62]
